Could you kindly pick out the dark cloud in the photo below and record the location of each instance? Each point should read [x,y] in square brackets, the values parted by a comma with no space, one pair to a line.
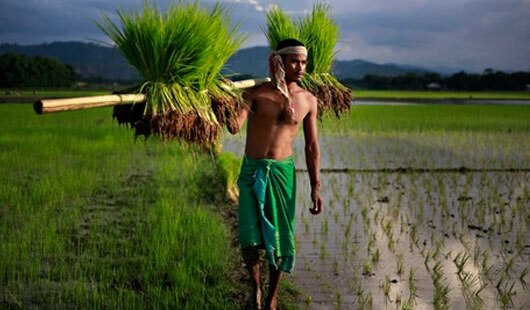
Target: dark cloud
[466,34]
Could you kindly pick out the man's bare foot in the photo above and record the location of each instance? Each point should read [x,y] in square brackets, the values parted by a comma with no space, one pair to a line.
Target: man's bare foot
[271,304]
[256,295]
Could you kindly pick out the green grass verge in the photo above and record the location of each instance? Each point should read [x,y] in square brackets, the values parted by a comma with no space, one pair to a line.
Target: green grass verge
[431,117]
[52,93]
[89,218]
[441,95]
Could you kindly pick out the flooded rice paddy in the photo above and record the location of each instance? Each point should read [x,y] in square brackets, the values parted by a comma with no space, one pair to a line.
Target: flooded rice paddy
[415,220]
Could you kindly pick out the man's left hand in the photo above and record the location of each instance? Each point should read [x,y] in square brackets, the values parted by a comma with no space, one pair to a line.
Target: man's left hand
[317,202]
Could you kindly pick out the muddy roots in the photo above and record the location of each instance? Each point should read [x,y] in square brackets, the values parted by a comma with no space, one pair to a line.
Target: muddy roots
[190,127]
[332,99]
[225,110]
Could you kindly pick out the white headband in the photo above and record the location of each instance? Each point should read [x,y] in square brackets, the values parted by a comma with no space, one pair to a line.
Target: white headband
[292,50]
[277,72]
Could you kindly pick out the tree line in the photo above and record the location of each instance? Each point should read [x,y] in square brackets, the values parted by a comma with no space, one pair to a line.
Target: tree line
[21,71]
[488,80]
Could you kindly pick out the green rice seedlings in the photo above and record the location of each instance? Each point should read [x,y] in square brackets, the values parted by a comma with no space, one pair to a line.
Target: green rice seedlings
[505,293]
[365,300]
[319,32]
[509,262]
[441,289]
[354,248]
[391,244]
[338,299]
[344,245]
[364,214]
[403,220]
[179,54]
[414,234]
[460,261]
[368,267]
[306,225]
[399,264]
[520,241]
[347,230]
[308,300]
[522,277]
[376,255]
[336,216]
[426,258]
[410,303]
[325,226]
[437,249]
[323,251]
[484,262]
[386,288]
[471,284]
[376,215]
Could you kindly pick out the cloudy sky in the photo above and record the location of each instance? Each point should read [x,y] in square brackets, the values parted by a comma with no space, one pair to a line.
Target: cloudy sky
[462,34]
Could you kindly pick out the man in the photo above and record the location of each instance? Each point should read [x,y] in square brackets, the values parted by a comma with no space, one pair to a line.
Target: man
[267,183]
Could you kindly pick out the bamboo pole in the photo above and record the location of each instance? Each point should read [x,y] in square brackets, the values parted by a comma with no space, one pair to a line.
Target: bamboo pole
[45,106]
[70,104]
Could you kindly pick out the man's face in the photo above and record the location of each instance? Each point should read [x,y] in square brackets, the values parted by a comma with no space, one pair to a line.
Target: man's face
[294,65]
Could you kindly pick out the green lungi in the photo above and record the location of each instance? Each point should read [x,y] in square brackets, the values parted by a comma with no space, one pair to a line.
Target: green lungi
[267,198]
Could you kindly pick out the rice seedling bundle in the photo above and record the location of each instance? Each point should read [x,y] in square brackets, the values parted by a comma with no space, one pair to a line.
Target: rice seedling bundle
[320,33]
[179,54]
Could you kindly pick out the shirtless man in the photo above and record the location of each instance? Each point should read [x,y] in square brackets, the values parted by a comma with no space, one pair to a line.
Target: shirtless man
[267,182]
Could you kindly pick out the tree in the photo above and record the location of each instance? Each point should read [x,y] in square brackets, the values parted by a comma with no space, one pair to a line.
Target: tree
[23,71]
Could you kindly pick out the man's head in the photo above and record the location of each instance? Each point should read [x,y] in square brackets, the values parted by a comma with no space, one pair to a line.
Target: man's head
[287,64]
[294,58]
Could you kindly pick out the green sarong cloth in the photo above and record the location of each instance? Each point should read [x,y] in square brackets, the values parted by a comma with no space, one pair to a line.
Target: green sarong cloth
[267,197]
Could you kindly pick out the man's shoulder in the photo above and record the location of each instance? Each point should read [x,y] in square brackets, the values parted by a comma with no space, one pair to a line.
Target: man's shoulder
[259,89]
[308,96]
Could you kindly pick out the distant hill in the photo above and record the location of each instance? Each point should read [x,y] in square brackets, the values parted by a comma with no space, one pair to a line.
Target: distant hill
[249,61]
[96,61]
[252,61]
[358,68]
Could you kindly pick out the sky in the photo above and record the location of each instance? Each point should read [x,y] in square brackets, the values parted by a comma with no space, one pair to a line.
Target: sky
[469,35]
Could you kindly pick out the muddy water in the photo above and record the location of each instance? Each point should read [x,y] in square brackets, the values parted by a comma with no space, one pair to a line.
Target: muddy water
[378,227]
[410,240]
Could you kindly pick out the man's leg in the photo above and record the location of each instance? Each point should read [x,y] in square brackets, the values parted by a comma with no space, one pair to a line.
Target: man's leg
[275,276]
[251,258]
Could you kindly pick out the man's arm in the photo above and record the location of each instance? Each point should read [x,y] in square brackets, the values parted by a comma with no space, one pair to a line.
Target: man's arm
[242,113]
[312,155]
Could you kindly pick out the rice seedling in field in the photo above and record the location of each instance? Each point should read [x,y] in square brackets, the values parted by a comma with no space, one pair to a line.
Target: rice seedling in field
[320,33]
[441,289]
[179,54]
[386,287]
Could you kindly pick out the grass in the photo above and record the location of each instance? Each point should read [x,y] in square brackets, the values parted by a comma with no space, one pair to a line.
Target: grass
[445,95]
[90,218]
[428,117]
[51,93]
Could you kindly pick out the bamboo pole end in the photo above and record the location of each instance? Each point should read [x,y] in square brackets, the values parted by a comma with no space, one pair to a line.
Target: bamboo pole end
[37,106]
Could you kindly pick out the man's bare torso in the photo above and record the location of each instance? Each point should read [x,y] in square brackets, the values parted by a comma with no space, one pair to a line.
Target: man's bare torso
[270,131]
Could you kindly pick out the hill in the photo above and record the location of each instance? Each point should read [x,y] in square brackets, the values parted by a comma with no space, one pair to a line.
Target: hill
[96,61]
